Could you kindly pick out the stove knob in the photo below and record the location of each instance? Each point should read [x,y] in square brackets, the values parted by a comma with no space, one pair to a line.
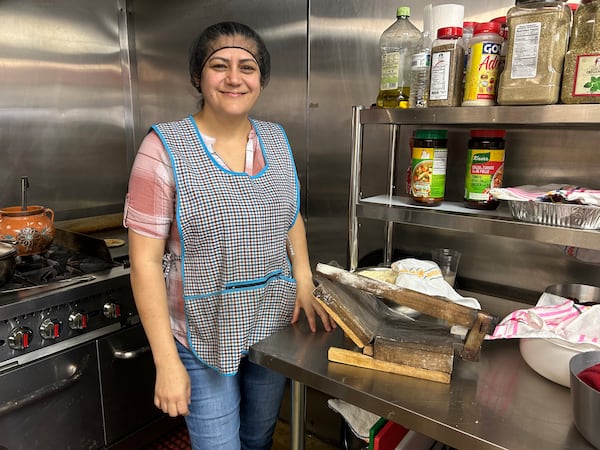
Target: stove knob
[112,310]
[20,338]
[50,328]
[78,320]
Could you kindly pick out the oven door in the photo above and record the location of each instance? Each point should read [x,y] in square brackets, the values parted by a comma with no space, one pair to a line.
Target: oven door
[128,375]
[52,403]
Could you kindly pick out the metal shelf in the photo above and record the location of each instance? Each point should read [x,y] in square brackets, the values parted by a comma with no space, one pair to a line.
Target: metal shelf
[453,216]
[548,116]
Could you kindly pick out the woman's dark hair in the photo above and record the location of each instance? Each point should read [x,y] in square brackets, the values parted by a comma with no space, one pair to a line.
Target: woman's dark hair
[204,46]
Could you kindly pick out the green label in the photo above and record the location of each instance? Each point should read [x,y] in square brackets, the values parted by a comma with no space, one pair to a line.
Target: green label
[428,172]
[485,169]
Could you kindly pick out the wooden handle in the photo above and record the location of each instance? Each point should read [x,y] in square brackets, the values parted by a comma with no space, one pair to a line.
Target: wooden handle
[353,358]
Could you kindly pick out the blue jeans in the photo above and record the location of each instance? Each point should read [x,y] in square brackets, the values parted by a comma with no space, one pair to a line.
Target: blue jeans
[232,412]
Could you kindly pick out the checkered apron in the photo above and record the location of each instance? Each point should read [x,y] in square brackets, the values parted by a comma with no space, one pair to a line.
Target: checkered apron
[237,281]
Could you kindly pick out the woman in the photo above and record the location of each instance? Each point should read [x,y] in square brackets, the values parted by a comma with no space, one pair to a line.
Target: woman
[218,250]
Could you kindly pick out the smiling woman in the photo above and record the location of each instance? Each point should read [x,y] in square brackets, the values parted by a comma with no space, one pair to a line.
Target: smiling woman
[213,216]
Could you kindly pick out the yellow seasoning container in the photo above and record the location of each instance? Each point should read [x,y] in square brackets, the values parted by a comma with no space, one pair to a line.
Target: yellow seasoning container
[428,167]
[483,65]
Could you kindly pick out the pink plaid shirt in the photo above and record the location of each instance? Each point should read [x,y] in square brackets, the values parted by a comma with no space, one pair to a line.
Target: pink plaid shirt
[150,210]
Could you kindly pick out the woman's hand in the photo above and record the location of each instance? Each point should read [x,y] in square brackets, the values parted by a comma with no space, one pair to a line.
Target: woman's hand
[311,306]
[172,392]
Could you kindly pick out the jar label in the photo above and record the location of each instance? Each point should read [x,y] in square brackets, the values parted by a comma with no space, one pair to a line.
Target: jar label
[525,50]
[587,75]
[485,169]
[482,71]
[390,70]
[428,172]
[440,75]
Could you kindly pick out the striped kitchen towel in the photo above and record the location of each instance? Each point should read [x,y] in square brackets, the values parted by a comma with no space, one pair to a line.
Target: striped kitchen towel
[553,317]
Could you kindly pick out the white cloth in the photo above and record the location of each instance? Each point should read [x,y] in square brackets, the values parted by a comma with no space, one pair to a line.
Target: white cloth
[426,277]
[553,317]
[359,420]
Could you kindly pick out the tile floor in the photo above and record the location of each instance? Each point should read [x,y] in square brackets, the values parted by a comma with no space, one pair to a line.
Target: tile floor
[178,439]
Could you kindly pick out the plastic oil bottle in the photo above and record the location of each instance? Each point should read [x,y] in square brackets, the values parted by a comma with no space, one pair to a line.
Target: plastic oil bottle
[420,68]
[397,43]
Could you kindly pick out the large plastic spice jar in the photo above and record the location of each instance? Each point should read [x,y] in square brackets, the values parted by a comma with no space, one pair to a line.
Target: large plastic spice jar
[581,72]
[537,43]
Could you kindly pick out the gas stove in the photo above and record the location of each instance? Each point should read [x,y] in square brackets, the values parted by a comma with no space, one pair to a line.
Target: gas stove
[73,293]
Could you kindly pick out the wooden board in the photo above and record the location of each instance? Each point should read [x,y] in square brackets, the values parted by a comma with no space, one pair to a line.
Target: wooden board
[355,312]
[432,357]
[357,359]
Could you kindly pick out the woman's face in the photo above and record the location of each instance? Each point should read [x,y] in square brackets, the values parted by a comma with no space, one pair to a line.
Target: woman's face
[230,80]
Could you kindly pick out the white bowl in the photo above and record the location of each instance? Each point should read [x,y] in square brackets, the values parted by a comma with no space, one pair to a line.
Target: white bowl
[550,357]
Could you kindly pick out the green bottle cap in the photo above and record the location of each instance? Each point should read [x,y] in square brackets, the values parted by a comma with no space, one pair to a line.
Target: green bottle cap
[403,11]
[431,134]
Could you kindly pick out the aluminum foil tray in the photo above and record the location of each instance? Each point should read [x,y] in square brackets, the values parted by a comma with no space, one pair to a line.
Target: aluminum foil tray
[557,214]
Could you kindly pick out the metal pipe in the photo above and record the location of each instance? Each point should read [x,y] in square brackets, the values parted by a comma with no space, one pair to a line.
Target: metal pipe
[298,393]
[357,137]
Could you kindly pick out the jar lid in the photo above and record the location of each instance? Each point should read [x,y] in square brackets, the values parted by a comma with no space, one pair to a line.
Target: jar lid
[449,32]
[403,11]
[469,24]
[431,134]
[487,27]
[488,133]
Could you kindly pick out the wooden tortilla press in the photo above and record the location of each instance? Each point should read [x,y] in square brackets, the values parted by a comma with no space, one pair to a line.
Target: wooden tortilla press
[398,345]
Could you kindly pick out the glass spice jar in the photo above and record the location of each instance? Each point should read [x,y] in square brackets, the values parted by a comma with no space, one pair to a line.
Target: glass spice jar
[485,168]
[537,43]
[428,167]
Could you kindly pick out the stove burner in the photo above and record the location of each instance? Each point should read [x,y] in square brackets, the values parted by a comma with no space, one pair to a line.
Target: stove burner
[56,264]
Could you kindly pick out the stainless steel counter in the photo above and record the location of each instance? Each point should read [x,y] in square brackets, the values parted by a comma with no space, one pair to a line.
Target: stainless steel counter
[496,403]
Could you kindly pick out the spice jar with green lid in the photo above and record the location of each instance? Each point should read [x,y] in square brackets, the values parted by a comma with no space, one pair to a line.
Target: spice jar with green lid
[581,72]
[537,43]
[428,167]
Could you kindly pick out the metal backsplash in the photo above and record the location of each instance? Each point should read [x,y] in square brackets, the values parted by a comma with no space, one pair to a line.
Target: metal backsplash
[62,106]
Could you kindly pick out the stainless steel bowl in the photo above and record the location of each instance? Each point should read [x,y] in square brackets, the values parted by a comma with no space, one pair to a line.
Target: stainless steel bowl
[585,400]
[580,293]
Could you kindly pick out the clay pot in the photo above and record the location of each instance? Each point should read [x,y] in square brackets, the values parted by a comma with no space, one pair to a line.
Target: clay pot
[32,229]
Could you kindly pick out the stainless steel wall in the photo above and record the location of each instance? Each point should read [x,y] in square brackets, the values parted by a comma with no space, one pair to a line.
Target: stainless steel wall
[62,105]
[164,32]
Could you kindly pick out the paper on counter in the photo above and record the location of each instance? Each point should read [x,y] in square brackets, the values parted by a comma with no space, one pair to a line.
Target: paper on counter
[426,277]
